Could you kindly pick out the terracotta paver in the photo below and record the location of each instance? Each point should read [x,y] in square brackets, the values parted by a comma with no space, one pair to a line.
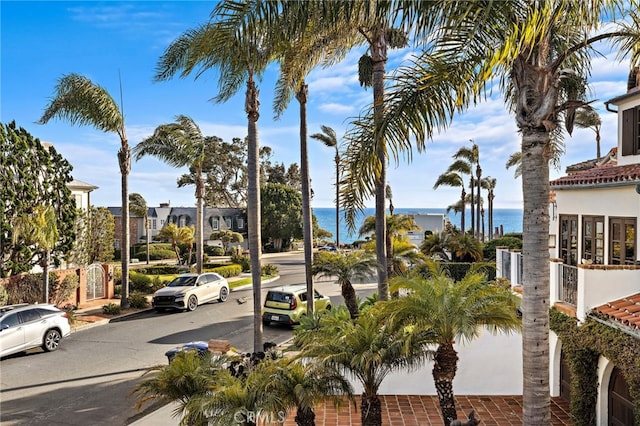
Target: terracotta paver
[423,410]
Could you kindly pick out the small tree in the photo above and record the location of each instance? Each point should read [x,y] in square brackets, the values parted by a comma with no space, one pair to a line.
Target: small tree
[176,236]
[95,232]
[346,267]
[39,229]
[226,237]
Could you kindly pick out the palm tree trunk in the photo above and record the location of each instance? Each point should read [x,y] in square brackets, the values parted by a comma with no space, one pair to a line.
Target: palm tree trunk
[379,56]
[305,417]
[445,364]
[45,276]
[473,204]
[146,224]
[478,182]
[337,198]
[371,410]
[535,295]
[307,230]
[464,208]
[253,207]
[199,220]
[124,160]
[350,298]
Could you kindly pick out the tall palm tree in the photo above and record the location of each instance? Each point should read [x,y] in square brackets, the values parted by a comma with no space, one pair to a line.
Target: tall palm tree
[368,349]
[397,225]
[346,267]
[181,144]
[39,228]
[328,138]
[240,52]
[451,312]
[489,184]
[470,156]
[138,206]
[453,177]
[588,118]
[80,101]
[532,49]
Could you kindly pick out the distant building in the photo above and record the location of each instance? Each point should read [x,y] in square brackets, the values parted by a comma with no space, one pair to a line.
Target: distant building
[215,219]
[428,222]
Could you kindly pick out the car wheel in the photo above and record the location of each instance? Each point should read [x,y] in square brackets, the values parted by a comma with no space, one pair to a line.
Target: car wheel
[266,323]
[328,308]
[51,340]
[224,293]
[192,303]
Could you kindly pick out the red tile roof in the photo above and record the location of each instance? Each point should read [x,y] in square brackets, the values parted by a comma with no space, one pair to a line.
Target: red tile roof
[603,174]
[625,311]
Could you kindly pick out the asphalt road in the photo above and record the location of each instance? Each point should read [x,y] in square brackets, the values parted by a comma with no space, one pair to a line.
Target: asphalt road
[88,380]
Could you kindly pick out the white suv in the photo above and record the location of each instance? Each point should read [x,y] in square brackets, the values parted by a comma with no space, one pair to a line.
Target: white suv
[26,326]
[187,291]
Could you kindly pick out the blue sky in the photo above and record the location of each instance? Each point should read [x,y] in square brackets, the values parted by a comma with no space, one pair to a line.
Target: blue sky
[41,41]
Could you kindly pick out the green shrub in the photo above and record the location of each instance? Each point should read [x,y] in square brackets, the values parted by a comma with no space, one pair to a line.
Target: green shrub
[138,301]
[489,249]
[3,296]
[26,289]
[111,309]
[269,269]
[71,314]
[159,270]
[157,283]
[213,251]
[457,270]
[64,290]
[139,282]
[117,290]
[227,271]
[243,261]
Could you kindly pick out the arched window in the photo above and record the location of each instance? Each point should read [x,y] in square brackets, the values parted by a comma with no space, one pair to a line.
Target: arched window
[620,405]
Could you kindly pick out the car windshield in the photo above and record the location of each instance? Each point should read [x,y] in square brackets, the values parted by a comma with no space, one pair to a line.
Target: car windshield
[183,282]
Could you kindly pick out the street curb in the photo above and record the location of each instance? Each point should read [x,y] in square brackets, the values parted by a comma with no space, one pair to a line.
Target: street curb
[122,317]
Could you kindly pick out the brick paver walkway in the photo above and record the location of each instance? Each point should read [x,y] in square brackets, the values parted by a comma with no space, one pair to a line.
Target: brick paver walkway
[423,410]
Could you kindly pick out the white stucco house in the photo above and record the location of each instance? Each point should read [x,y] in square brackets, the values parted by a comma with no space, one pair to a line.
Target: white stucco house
[595,268]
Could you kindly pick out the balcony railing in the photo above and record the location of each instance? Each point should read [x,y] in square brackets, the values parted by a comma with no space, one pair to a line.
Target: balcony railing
[568,284]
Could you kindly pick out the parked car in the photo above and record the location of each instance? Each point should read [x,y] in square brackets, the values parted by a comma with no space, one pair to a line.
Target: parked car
[27,326]
[285,305]
[328,247]
[187,291]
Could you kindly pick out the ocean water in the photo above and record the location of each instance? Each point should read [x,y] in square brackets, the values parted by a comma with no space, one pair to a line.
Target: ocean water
[510,219]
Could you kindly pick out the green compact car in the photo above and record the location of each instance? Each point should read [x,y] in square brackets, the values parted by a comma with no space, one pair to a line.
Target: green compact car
[285,305]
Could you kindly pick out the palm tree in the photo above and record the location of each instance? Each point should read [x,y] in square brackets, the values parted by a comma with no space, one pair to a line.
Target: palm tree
[176,236]
[469,157]
[188,376]
[79,101]
[240,52]
[436,245]
[489,184]
[588,118]
[181,144]
[329,138]
[397,225]
[453,177]
[346,267]
[538,47]
[39,228]
[451,312]
[138,207]
[292,384]
[368,349]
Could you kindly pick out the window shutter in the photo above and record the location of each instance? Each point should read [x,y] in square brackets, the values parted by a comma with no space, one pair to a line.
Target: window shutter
[628,131]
